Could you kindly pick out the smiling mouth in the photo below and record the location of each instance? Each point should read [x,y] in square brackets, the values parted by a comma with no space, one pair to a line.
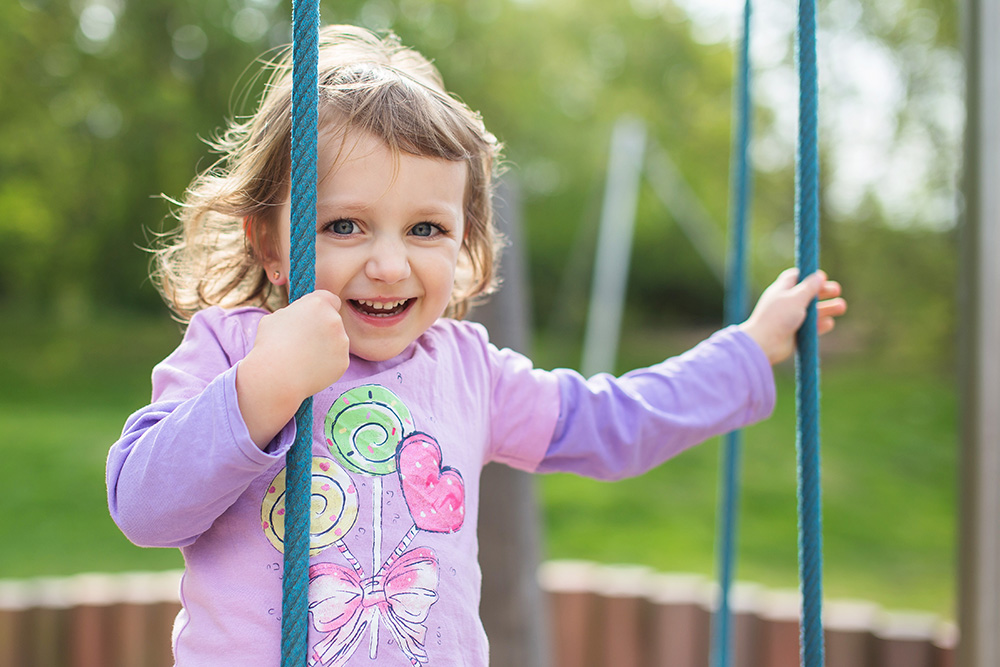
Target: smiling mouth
[380,308]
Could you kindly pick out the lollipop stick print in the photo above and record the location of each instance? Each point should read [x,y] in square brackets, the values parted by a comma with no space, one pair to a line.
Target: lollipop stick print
[434,494]
[376,555]
[333,510]
[363,429]
[399,550]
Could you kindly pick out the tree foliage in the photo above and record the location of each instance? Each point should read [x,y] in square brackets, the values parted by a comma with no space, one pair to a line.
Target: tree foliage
[103,103]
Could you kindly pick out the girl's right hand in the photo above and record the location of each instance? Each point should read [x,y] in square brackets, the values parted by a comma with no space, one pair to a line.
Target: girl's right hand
[299,350]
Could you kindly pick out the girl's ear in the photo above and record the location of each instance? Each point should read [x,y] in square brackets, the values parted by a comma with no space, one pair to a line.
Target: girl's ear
[276,277]
[264,251]
[272,267]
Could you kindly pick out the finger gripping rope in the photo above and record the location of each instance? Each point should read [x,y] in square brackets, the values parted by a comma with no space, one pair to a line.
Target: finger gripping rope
[302,279]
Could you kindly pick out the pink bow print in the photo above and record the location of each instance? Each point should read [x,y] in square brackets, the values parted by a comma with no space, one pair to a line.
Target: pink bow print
[344,606]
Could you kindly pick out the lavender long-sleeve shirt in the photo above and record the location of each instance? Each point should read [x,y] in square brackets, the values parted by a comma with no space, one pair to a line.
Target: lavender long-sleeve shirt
[397,451]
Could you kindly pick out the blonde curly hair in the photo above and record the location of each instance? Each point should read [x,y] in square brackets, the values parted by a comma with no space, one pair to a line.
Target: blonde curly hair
[228,216]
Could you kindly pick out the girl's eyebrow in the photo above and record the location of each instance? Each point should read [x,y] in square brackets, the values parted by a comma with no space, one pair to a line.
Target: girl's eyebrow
[340,207]
[430,209]
[433,210]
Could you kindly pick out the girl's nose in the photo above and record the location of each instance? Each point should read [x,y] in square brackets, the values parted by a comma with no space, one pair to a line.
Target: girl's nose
[389,262]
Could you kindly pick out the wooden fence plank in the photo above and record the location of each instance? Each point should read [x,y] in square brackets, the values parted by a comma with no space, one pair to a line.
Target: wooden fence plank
[780,634]
[848,633]
[575,609]
[748,627]
[624,619]
[906,640]
[945,646]
[679,621]
[14,601]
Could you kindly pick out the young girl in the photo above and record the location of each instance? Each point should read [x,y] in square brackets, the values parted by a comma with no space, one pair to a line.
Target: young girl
[409,403]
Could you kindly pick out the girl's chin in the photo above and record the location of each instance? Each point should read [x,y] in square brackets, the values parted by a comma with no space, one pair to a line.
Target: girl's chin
[380,348]
[384,337]
[377,356]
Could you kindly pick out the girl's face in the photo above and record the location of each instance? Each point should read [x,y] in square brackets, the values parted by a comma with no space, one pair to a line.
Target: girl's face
[389,230]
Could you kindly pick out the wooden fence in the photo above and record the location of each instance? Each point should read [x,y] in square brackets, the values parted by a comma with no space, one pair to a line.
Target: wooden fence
[632,617]
[90,620]
[601,616]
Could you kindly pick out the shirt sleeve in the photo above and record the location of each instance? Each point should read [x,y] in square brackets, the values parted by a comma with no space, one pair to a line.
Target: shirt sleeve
[185,458]
[612,428]
[506,404]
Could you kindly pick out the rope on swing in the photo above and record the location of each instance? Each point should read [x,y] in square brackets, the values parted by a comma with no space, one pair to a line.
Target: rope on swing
[735,311]
[302,280]
[807,348]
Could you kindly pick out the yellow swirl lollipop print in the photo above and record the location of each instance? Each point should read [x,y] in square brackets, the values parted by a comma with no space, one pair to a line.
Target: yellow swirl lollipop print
[333,506]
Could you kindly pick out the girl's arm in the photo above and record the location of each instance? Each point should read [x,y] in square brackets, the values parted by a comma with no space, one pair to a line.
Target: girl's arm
[611,428]
[222,414]
[184,459]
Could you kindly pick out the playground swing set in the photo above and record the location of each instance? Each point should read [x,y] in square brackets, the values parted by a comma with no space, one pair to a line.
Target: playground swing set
[305,53]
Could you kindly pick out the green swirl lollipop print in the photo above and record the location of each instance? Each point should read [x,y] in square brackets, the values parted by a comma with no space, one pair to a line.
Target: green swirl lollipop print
[363,428]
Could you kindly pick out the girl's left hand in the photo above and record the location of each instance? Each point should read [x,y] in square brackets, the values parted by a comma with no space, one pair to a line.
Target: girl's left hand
[781,310]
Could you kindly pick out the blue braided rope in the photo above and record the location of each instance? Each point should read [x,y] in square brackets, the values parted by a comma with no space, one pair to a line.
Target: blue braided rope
[302,279]
[737,297]
[807,354]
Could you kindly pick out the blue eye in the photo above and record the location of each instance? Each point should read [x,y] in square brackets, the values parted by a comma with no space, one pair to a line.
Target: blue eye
[425,229]
[342,227]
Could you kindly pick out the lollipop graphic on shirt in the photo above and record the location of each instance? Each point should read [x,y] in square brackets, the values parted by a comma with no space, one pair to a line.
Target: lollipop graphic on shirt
[363,428]
[333,508]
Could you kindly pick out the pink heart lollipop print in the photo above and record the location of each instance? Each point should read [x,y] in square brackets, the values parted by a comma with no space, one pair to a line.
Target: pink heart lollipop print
[434,494]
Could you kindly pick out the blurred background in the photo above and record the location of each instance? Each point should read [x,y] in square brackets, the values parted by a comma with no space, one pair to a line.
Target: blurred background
[104,105]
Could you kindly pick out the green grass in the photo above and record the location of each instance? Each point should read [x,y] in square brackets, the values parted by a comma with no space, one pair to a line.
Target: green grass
[889,468]
[64,395]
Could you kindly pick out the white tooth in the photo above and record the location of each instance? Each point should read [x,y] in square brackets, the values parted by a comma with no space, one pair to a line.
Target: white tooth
[384,305]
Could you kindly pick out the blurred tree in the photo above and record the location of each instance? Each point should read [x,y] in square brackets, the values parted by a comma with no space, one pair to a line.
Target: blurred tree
[103,102]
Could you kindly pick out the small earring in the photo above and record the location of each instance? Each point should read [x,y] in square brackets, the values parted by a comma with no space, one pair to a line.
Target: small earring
[277,274]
